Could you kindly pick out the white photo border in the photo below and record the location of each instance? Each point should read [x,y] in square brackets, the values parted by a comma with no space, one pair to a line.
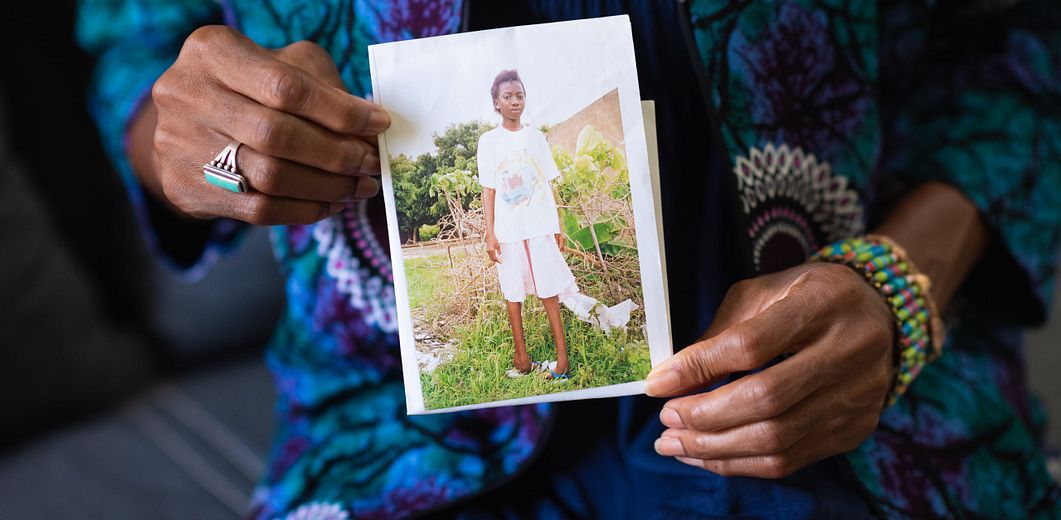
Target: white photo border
[644,194]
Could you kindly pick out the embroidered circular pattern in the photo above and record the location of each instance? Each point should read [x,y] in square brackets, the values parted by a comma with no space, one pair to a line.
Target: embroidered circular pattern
[794,204]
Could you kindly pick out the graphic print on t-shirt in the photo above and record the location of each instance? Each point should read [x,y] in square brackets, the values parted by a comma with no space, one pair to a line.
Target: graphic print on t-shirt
[518,177]
[519,166]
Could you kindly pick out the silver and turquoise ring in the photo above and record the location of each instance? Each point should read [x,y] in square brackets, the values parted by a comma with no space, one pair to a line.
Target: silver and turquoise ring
[222,171]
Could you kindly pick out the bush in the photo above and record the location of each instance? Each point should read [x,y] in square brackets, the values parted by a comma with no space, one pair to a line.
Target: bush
[429,231]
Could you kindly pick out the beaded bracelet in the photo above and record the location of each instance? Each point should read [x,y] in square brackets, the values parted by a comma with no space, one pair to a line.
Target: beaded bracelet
[889,269]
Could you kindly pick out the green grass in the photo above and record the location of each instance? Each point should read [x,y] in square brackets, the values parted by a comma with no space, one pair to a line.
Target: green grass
[424,281]
[477,372]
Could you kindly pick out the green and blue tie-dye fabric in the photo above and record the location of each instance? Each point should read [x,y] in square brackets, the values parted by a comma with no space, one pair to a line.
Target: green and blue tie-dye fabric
[850,102]
[344,436]
[890,94]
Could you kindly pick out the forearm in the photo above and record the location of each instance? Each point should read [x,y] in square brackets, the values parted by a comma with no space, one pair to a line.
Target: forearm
[488,210]
[942,232]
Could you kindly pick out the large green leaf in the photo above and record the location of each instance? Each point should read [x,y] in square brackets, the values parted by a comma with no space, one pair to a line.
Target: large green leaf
[568,222]
[583,238]
[615,248]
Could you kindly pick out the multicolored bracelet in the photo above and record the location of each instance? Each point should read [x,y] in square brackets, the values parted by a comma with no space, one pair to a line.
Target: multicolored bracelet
[889,269]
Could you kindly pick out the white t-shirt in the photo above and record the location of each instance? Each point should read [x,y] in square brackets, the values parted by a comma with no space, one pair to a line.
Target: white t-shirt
[519,166]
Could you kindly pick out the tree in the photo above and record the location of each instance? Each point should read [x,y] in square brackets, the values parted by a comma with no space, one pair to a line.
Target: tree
[418,196]
[457,149]
[413,200]
[458,145]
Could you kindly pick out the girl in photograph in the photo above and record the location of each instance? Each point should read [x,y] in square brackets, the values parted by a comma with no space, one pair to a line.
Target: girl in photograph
[522,225]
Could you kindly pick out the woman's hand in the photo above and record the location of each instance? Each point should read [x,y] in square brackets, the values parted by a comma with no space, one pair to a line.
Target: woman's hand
[560,242]
[308,146]
[823,400]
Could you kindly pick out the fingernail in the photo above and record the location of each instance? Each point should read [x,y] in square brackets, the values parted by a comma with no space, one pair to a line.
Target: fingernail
[367,187]
[335,207]
[378,121]
[691,461]
[661,381]
[669,447]
[670,418]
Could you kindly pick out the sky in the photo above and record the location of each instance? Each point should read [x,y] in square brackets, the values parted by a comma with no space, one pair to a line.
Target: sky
[447,79]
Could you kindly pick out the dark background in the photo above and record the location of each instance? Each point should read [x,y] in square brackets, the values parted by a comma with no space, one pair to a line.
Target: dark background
[122,392]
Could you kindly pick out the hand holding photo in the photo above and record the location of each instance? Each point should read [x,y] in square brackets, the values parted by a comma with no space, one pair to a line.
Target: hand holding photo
[523,225]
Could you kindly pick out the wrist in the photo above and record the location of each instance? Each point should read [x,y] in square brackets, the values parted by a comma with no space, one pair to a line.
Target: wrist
[918,329]
[942,232]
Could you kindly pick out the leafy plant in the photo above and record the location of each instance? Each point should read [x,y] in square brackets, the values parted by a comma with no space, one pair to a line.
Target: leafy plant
[421,185]
[429,231]
[597,167]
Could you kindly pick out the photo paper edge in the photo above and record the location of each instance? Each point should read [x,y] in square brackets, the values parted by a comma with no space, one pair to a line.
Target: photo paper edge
[651,279]
[414,400]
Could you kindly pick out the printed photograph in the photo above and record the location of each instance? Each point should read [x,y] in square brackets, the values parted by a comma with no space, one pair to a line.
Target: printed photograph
[515,225]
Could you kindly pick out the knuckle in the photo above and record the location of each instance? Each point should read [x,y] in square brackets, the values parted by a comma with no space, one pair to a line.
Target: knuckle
[309,50]
[739,288]
[695,416]
[258,210]
[205,33]
[266,175]
[771,437]
[699,446]
[198,39]
[345,159]
[271,134]
[283,89]
[203,39]
[748,352]
[355,121]
[163,137]
[776,466]
[163,90]
[764,398]
[694,367]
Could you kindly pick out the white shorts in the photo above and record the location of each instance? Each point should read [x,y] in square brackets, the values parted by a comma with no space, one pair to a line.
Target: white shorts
[533,266]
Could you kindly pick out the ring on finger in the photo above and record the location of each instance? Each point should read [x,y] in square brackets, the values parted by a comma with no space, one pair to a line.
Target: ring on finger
[223,172]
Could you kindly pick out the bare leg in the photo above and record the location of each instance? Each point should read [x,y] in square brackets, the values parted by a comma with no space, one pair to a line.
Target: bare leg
[552,309]
[515,318]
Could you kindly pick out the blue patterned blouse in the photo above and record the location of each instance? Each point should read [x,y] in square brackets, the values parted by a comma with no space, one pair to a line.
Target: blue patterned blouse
[853,102]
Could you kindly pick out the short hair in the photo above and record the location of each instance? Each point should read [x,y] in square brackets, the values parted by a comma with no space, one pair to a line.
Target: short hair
[504,77]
